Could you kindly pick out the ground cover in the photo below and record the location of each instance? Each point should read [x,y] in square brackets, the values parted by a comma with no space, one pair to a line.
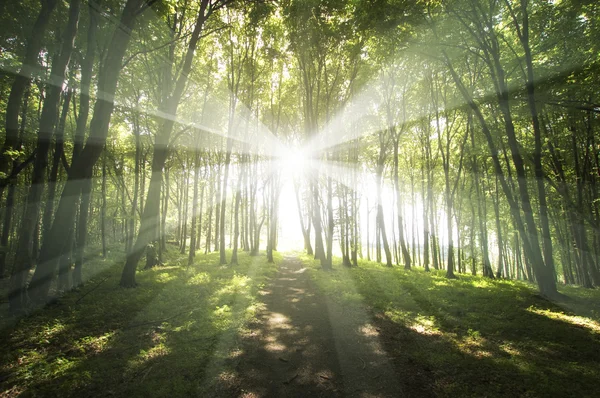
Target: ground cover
[159,339]
[473,336]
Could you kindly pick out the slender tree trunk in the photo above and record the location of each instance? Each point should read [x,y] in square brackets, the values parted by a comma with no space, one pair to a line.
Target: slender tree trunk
[222,253]
[185,191]
[196,169]
[22,80]
[236,221]
[316,210]
[498,232]
[150,218]
[10,194]
[405,253]
[330,224]
[218,207]
[23,258]
[103,205]
[211,195]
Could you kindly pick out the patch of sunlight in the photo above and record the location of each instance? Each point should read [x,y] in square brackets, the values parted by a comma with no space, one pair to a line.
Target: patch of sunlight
[352,297]
[227,376]
[48,331]
[222,311]
[238,283]
[236,353]
[240,280]
[164,277]
[279,321]
[199,279]
[398,316]
[481,353]
[575,320]
[60,366]
[441,282]
[253,309]
[481,283]
[222,317]
[425,325]
[510,349]
[94,344]
[186,326]
[473,344]
[369,330]
[275,347]
[29,357]
[159,350]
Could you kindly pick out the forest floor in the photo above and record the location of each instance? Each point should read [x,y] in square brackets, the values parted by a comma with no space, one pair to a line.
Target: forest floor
[303,344]
[292,329]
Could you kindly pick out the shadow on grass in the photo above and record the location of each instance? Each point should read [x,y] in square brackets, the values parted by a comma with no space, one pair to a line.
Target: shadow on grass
[154,340]
[304,345]
[473,337]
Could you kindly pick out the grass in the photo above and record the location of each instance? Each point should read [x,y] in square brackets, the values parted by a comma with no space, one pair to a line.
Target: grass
[473,336]
[172,335]
[167,337]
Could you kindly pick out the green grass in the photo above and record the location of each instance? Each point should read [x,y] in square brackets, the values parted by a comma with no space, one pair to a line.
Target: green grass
[164,338]
[472,336]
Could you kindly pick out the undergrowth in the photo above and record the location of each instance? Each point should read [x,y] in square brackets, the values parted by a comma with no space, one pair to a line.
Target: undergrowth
[474,336]
[165,337]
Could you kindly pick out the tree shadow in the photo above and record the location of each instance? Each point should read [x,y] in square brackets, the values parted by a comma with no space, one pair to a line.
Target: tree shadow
[304,345]
[156,340]
[471,337]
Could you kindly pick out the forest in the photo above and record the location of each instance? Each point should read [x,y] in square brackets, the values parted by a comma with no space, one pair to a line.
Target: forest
[198,186]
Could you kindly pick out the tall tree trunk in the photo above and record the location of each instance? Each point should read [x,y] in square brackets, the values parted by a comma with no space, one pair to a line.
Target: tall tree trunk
[23,258]
[30,63]
[236,221]
[185,189]
[546,285]
[330,224]
[82,167]
[103,205]
[305,229]
[425,196]
[196,169]
[211,195]
[380,219]
[10,194]
[149,222]
[405,253]
[222,253]
[499,238]
[316,211]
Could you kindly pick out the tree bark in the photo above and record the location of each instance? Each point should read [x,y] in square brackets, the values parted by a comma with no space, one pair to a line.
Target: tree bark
[23,258]
[82,167]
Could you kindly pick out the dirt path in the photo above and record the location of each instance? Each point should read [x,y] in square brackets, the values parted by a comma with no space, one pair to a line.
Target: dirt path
[307,346]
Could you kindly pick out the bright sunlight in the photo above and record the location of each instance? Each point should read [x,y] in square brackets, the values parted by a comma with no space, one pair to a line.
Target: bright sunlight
[299,198]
